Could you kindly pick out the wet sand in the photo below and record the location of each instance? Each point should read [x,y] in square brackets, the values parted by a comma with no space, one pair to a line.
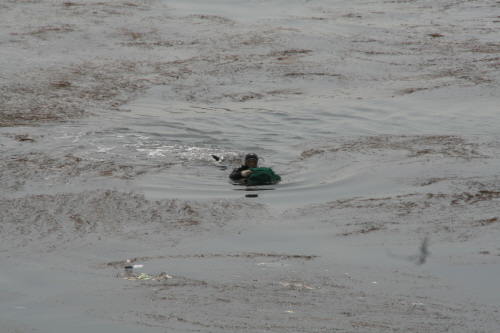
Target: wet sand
[410,245]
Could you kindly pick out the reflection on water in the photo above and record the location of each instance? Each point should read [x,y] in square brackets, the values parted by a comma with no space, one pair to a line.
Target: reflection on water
[254,188]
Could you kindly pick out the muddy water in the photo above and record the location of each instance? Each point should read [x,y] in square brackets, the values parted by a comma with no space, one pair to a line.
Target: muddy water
[277,134]
[381,118]
[187,135]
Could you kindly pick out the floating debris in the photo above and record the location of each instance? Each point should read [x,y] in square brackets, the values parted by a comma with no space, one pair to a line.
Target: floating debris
[417,259]
[129,268]
[272,264]
[296,286]
[146,277]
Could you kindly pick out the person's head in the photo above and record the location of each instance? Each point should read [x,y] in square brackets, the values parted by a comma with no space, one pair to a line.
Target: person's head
[251,160]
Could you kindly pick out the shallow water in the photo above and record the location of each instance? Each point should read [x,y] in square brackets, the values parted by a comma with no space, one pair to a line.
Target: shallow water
[157,131]
[163,128]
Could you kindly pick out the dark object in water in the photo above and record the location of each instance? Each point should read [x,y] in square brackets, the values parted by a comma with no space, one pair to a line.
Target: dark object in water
[251,195]
[417,259]
[129,268]
[217,158]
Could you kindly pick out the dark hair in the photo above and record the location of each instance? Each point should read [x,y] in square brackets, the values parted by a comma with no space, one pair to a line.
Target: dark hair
[250,156]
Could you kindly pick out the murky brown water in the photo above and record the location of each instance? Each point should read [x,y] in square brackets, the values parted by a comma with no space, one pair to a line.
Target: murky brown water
[380,117]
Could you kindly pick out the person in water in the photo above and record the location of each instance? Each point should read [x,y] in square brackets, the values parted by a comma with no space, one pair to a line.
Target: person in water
[242,173]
